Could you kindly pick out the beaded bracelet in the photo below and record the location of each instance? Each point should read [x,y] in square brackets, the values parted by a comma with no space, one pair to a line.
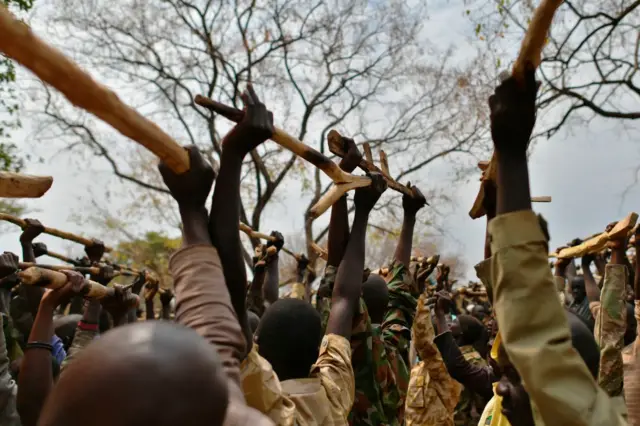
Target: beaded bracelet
[39,345]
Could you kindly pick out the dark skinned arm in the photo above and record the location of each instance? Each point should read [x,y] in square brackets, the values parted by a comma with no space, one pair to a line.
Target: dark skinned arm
[270,290]
[33,294]
[36,376]
[254,129]
[590,285]
[255,298]
[410,206]
[165,299]
[348,284]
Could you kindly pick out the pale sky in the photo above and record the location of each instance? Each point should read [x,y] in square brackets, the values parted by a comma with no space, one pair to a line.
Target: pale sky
[585,168]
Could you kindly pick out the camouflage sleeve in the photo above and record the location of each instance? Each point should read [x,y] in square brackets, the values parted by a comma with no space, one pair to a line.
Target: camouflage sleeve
[323,297]
[610,328]
[432,394]
[398,319]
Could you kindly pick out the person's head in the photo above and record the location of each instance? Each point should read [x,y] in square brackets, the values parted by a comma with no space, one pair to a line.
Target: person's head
[469,331]
[632,324]
[376,296]
[289,337]
[515,403]
[577,289]
[479,312]
[154,372]
[254,320]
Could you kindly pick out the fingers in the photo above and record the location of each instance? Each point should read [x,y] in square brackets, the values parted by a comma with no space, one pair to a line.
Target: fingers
[252,94]
[246,100]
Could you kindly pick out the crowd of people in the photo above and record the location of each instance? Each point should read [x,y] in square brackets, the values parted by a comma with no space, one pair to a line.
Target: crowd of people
[530,345]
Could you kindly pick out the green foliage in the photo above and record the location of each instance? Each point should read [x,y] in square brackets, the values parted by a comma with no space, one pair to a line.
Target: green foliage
[151,252]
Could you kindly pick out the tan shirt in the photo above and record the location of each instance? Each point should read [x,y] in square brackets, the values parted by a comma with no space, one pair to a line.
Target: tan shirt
[325,398]
[534,329]
[203,304]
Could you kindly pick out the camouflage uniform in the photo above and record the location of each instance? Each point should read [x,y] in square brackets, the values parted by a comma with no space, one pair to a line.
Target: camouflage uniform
[432,395]
[380,353]
[469,409]
[611,323]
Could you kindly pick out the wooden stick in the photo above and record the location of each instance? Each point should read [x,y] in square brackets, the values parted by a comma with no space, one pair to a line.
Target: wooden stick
[93,270]
[61,257]
[336,147]
[343,182]
[530,53]
[599,242]
[542,199]
[52,231]
[322,253]
[15,185]
[18,42]
[254,234]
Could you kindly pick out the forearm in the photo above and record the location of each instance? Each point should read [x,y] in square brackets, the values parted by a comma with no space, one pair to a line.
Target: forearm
[271,287]
[441,323]
[255,299]
[33,294]
[348,284]
[403,249]
[166,312]
[195,226]
[590,285]
[28,254]
[36,377]
[149,311]
[513,184]
[338,232]
[223,228]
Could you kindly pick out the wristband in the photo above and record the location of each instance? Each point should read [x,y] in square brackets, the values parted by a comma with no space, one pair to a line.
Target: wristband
[87,326]
[39,345]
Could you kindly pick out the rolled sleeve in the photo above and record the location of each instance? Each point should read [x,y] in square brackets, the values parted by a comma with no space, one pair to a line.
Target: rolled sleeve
[204,305]
[534,328]
[334,370]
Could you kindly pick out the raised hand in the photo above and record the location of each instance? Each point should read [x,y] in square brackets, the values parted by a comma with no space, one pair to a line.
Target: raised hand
[513,115]
[352,157]
[8,264]
[33,229]
[255,127]
[75,284]
[367,197]
[279,241]
[192,187]
[95,251]
[39,249]
[412,204]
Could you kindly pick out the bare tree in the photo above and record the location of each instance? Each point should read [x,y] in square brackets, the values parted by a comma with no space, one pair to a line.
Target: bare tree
[360,66]
[590,63]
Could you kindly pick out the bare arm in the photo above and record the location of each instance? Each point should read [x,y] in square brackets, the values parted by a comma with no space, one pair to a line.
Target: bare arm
[255,298]
[348,285]
[590,285]
[410,205]
[33,294]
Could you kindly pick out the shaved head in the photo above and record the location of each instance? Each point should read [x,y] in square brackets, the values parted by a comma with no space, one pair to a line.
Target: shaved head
[156,373]
[376,296]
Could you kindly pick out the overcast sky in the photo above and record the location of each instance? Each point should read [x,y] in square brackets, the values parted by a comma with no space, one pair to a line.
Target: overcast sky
[586,170]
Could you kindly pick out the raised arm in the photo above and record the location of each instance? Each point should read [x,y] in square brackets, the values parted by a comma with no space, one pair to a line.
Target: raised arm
[410,206]
[255,128]
[537,341]
[590,285]
[348,285]
[86,331]
[36,374]
[33,294]
[271,290]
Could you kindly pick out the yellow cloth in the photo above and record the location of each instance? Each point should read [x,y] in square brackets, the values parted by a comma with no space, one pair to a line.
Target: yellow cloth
[432,394]
[534,328]
[325,398]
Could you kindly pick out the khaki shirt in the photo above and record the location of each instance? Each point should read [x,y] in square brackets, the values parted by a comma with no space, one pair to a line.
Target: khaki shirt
[203,304]
[8,387]
[432,395]
[325,398]
[610,314]
[534,329]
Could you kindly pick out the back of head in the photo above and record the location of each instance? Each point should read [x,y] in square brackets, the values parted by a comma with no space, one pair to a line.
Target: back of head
[65,328]
[584,342]
[154,373]
[289,337]
[376,296]
[473,332]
